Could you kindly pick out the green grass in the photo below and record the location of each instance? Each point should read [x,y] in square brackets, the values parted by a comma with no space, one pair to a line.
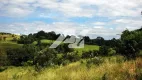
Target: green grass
[44,41]
[10,37]
[108,70]
[112,68]
[87,48]
[9,44]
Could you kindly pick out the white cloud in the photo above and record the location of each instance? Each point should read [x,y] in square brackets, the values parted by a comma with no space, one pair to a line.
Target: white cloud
[67,28]
[108,7]
[74,8]
[16,8]
[111,9]
[59,27]
[131,24]
[99,23]
[99,27]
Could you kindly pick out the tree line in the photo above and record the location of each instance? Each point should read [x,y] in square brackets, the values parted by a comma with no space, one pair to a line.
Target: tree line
[40,55]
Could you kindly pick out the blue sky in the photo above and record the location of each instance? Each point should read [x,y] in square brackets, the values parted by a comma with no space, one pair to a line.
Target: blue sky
[92,18]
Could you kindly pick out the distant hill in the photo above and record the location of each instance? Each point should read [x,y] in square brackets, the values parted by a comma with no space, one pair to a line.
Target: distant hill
[8,36]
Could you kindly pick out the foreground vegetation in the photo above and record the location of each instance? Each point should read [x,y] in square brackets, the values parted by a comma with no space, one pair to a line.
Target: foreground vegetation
[29,57]
[111,68]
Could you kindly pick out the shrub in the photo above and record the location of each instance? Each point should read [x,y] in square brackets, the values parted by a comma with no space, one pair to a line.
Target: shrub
[41,45]
[14,39]
[17,56]
[103,50]
[3,58]
[59,59]
[72,56]
[129,49]
[140,53]
[45,58]
[63,48]
[97,61]
[89,54]
[111,52]
[25,39]
[65,62]
[28,63]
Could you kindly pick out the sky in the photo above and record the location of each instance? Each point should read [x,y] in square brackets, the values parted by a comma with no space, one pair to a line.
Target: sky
[105,18]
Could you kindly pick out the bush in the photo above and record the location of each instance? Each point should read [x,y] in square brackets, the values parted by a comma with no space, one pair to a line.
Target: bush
[45,58]
[89,54]
[97,61]
[103,50]
[14,39]
[65,62]
[129,49]
[111,52]
[28,63]
[59,59]
[25,39]
[3,60]
[17,56]
[43,45]
[63,48]
[72,56]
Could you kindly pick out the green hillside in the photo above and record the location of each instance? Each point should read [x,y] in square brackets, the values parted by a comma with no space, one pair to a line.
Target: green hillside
[86,47]
[9,41]
[28,57]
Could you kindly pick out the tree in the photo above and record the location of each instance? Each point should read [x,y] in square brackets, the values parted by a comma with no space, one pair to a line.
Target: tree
[104,50]
[45,58]
[87,40]
[99,41]
[40,35]
[24,39]
[130,49]
[63,48]
[71,56]
[19,55]
[3,58]
[4,38]
[89,54]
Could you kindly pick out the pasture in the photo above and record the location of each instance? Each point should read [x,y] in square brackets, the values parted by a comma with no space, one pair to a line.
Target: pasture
[8,43]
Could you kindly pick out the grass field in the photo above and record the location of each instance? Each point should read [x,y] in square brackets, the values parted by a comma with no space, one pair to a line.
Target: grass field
[44,41]
[88,47]
[8,43]
[113,68]
[9,37]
